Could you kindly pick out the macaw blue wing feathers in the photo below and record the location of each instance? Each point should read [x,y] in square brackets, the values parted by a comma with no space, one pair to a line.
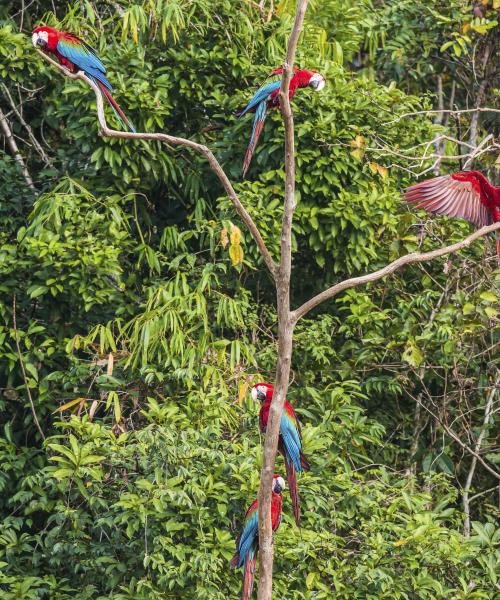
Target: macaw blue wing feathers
[291,440]
[261,94]
[82,56]
[248,536]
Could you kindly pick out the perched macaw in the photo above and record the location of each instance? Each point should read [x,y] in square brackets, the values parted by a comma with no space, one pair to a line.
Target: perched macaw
[289,443]
[267,96]
[247,543]
[467,195]
[76,55]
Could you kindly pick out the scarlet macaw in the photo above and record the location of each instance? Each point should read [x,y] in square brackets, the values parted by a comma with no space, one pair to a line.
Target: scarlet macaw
[76,55]
[247,543]
[467,195]
[289,444]
[267,96]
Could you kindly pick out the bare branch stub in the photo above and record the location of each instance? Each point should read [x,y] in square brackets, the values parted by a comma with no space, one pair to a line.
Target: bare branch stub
[176,141]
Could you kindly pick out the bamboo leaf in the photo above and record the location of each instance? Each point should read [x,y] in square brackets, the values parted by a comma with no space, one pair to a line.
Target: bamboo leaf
[70,404]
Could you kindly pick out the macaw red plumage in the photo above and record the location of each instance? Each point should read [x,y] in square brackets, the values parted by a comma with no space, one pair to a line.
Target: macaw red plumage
[76,55]
[466,195]
[289,443]
[247,543]
[267,96]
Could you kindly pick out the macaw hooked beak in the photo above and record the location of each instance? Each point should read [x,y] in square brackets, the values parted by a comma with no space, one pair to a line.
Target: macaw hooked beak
[317,82]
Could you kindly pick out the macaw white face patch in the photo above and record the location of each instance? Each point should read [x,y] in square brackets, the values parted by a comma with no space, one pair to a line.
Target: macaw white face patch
[317,82]
[254,393]
[281,482]
[40,38]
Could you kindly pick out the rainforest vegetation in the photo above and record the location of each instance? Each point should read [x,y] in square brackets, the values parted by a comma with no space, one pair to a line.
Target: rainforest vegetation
[136,312]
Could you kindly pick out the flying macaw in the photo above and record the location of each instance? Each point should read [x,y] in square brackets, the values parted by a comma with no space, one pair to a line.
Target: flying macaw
[289,443]
[467,195]
[267,96]
[76,55]
[247,543]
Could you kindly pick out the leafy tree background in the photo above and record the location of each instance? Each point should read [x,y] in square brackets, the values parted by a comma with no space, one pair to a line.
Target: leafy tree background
[140,331]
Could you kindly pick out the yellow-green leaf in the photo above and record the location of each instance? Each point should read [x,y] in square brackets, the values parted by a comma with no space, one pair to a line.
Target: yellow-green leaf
[117,409]
[412,355]
[468,308]
[235,236]
[242,392]
[488,297]
[236,255]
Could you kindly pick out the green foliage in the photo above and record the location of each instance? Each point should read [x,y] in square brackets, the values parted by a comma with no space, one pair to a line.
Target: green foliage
[140,333]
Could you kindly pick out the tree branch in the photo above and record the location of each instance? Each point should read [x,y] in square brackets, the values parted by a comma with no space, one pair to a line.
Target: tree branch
[175,141]
[457,439]
[445,111]
[34,141]
[11,142]
[408,259]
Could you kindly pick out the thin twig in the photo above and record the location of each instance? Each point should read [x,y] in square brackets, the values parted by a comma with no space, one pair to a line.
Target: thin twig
[457,439]
[470,476]
[35,142]
[453,112]
[21,360]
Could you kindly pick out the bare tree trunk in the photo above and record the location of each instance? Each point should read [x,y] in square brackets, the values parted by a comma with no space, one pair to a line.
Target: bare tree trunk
[285,322]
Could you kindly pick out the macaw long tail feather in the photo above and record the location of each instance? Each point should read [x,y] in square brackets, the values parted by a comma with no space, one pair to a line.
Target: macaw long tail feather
[304,462]
[258,125]
[235,560]
[291,476]
[120,115]
[248,576]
